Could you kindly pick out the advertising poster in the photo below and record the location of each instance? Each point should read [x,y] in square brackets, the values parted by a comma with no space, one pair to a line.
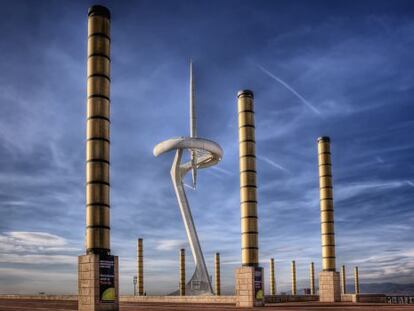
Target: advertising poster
[258,283]
[107,279]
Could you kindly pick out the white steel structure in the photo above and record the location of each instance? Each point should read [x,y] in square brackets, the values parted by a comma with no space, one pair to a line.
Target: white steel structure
[203,153]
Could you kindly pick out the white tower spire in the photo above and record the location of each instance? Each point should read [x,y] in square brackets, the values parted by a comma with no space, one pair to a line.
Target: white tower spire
[193,123]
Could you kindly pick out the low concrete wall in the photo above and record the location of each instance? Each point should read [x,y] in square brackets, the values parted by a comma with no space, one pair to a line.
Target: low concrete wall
[160,299]
[41,297]
[181,299]
[363,298]
[347,298]
[290,298]
[371,298]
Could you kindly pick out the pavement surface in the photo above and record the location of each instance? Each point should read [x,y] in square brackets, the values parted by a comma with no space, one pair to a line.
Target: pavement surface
[19,305]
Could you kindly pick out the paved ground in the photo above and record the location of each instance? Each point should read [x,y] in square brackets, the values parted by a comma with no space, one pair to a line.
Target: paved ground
[20,305]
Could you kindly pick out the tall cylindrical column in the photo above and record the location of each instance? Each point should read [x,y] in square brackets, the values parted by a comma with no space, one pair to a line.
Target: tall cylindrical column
[97,134]
[356,275]
[272,277]
[248,195]
[293,272]
[326,202]
[343,279]
[312,278]
[217,280]
[182,272]
[140,267]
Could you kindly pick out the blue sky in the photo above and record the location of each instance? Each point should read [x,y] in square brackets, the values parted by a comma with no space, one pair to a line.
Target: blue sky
[317,68]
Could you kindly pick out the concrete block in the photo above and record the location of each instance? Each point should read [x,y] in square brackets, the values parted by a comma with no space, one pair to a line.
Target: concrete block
[329,287]
[88,283]
[245,287]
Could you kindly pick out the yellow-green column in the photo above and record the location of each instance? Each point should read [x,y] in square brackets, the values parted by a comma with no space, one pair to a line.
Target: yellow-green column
[140,267]
[97,134]
[217,274]
[312,278]
[329,283]
[343,279]
[248,193]
[356,276]
[293,272]
[249,277]
[272,277]
[98,255]
[182,272]
[326,202]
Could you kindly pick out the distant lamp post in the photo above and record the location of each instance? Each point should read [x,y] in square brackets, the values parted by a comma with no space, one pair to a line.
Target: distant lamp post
[135,284]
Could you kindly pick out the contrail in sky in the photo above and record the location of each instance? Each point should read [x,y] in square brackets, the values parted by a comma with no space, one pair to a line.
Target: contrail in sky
[291,89]
[273,163]
[222,170]
[188,186]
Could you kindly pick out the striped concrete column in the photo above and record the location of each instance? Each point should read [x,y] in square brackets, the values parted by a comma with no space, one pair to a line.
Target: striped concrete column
[326,203]
[182,272]
[329,279]
[217,280]
[97,237]
[343,279]
[97,134]
[293,272]
[249,276]
[140,267]
[356,276]
[312,278]
[272,277]
[248,194]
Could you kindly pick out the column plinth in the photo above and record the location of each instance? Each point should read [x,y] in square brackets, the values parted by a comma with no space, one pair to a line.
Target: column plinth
[329,286]
[96,291]
[249,287]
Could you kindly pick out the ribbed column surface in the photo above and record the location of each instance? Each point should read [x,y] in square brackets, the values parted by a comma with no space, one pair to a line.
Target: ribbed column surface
[272,277]
[97,134]
[182,272]
[248,195]
[293,272]
[356,276]
[343,279]
[217,279]
[312,278]
[140,267]
[326,203]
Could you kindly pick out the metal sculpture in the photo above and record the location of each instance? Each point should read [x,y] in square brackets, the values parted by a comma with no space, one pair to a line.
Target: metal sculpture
[203,153]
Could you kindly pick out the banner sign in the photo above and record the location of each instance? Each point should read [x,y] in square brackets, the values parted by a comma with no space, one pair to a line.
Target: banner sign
[258,283]
[107,278]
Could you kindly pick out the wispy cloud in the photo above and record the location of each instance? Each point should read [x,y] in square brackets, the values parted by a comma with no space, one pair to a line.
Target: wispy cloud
[38,259]
[167,245]
[409,182]
[350,190]
[33,242]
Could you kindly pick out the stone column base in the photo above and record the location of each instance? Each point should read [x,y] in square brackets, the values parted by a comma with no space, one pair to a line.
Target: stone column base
[329,286]
[249,287]
[91,281]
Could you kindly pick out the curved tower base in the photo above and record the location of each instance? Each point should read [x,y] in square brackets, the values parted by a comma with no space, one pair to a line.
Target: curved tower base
[196,286]
[200,282]
[207,153]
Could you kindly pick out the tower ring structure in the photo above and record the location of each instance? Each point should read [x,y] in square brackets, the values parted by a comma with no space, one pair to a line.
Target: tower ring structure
[205,153]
